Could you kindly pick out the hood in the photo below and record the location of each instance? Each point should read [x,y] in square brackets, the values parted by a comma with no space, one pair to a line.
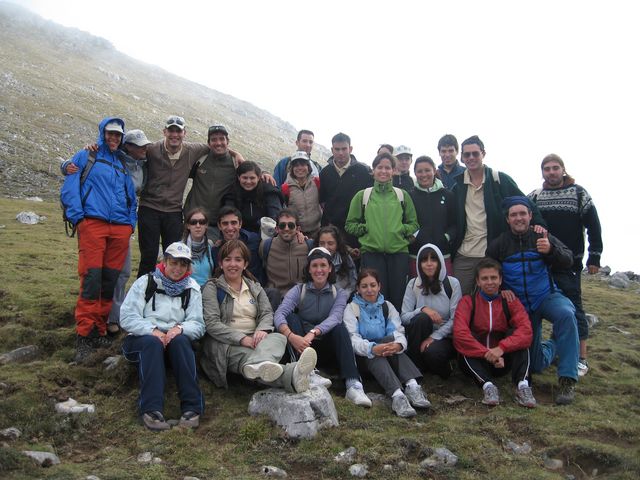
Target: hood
[353,160]
[103,123]
[437,185]
[443,267]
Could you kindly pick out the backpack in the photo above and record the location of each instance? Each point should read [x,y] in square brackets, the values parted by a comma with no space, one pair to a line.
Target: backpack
[367,195]
[355,308]
[152,288]
[266,246]
[68,226]
[446,284]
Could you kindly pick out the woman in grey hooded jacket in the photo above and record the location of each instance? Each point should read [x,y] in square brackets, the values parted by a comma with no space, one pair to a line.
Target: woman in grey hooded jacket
[428,307]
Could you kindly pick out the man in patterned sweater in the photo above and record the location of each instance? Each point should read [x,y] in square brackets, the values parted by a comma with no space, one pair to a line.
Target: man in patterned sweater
[568,210]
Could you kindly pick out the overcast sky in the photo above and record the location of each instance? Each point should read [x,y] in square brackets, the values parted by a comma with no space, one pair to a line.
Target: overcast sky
[529,79]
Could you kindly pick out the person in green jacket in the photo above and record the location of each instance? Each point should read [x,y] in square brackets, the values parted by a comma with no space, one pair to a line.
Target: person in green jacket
[383,218]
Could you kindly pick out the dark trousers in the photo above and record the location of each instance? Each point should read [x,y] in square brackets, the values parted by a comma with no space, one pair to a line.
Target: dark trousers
[570,282]
[334,347]
[437,357]
[150,355]
[153,225]
[482,371]
[393,269]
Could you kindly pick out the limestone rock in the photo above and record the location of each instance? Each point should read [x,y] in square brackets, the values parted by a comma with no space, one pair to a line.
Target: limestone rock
[523,449]
[145,457]
[619,280]
[34,199]
[29,218]
[44,459]
[91,477]
[10,433]
[19,355]
[441,457]
[553,463]
[111,363]
[358,470]
[190,478]
[270,471]
[592,319]
[300,414]
[346,456]
[72,406]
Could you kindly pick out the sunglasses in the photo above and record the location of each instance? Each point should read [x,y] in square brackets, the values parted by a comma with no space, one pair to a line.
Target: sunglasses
[175,121]
[199,221]
[284,225]
[475,154]
[217,128]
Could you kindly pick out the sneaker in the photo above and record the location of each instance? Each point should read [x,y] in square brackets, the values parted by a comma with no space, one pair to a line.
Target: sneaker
[491,396]
[525,398]
[304,366]
[84,349]
[190,419]
[265,371]
[357,396]
[317,380]
[566,391]
[400,404]
[154,421]
[583,367]
[416,397]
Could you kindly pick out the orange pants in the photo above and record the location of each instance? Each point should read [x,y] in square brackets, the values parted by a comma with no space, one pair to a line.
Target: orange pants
[102,249]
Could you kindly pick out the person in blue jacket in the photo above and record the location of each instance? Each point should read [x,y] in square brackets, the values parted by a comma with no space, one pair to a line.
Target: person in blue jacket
[102,209]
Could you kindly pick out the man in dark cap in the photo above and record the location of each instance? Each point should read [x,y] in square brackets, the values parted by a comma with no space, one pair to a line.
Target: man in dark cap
[527,258]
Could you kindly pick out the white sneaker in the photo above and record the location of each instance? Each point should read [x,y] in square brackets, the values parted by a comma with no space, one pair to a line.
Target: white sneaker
[358,397]
[265,371]
[583,367]
[400,404]
[304,366]
[317,380]
[416,397]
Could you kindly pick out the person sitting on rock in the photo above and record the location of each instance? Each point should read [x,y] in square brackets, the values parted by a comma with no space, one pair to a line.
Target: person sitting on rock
[493,336]
[378,340]
[239,323]
[163,314]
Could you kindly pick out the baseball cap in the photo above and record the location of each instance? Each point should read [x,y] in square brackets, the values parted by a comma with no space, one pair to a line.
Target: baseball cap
[113,127]
[137,137]
[178,250]
[175,121]
[300,155]
[218,128]
[402,149]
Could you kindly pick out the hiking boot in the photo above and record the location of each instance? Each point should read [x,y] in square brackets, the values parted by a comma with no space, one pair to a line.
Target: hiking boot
[304,366]
[102,341]
[400,404]
[583,367]
[317,380]
[84,349]
[357,396]
[566,391]
[525,398]
[113,329]
[416,397]
[154,421]
[266,371]
[491,396]
[190,419]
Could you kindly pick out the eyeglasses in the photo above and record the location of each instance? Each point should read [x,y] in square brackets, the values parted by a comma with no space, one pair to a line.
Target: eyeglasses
[474,154]
[199,221]
[289,225]
[175,120]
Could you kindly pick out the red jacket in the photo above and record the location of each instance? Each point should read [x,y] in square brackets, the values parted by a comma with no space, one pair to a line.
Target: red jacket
[490,327]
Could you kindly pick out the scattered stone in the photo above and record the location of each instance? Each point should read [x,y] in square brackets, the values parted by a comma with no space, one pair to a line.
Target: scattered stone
[441,457]
[72,406]
[594,472]
[34,199]
[3,226]
[111,363]
[270,471]
[454,399]
[190,478]
[387,468]
[619,280]
[346,456]
[380,399]
[553,463]
[617,329]
[11,433]
[358,470]
[570,477]
[19,355]
[29,218]
[145,457]
[300,414]
[402,465]
[44,459]
[523,449]
[91,477]
[156,461]
[606,270]
[592,320]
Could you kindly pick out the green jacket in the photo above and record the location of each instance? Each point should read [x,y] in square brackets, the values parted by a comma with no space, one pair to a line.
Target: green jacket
[383,228]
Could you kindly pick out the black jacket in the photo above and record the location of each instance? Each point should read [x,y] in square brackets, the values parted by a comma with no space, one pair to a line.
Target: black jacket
[436,213]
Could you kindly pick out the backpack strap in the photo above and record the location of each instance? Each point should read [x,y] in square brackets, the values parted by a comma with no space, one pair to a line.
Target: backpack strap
[150,291]
[303,292]
[220,294]
[496,176]
[355,308]
[505,309]
[385,311]
[367,195]
[446,283]
[87,168]
[266,246]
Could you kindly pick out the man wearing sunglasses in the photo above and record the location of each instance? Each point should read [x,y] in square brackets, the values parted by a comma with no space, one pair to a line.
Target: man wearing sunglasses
[479,192]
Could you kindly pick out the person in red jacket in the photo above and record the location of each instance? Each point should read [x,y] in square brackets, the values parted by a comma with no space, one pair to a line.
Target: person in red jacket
[492,336]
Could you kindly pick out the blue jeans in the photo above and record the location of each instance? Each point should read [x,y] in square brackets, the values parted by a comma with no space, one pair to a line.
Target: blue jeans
[148,352]
[559,310]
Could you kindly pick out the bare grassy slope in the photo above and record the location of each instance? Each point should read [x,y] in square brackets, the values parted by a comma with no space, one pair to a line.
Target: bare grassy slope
[38,285]
[57,83]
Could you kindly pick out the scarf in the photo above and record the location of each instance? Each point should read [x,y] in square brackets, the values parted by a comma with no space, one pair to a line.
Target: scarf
[171,288]
[437,185]
[198,249]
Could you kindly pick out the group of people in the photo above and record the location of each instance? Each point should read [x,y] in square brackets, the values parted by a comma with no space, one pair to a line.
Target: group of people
[366,271]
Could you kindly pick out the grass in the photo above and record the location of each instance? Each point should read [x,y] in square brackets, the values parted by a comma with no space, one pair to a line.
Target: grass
[38,285]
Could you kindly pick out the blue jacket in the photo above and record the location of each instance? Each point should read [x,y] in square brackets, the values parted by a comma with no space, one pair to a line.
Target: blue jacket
[108,192]
[449,179]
